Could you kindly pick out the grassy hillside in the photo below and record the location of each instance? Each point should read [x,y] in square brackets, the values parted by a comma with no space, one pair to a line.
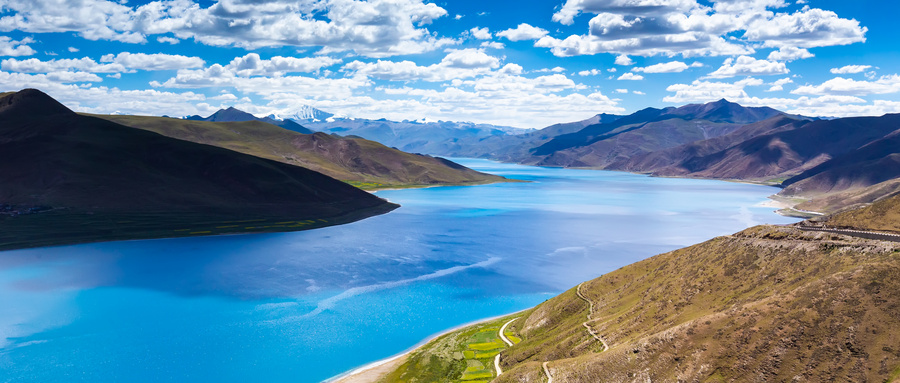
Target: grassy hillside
[883,215]
[361,162]
[67,178]
[769,303]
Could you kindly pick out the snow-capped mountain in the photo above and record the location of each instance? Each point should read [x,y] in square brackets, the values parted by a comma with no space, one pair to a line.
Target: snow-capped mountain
[305,113]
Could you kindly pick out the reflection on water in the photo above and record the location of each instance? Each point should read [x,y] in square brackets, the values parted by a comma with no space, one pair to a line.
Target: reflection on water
[308,305]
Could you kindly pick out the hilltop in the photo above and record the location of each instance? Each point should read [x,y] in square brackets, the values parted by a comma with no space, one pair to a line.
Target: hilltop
[67,178]
[770,303]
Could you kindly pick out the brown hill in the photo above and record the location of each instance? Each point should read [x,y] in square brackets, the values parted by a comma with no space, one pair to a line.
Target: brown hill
[613,145]
[768,304]
[883,215]
[93,179]
[361,162]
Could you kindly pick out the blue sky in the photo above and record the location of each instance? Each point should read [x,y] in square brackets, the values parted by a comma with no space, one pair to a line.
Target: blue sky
[519,63]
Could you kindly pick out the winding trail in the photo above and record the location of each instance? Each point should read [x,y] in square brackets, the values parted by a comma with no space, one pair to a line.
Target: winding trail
[856,233]
[505,340]
[547,371]
[589,317]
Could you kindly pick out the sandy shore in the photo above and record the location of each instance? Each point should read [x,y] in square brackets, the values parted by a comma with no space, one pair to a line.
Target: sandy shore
[373,372]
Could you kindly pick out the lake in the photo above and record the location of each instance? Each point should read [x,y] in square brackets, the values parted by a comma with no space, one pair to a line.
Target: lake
[306,306]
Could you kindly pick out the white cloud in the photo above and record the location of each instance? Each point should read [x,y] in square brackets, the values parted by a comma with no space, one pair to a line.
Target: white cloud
[592,72]
[123,62]
[624,60]
[850,69]
[687,28]
[778,86]
[669,67]
[687,45]
[493,45]
[85,64]
[463,63]
[153,62]
[376,28]
[805,29]
[168,40]
[557,69]
[630,76]
[638,92]
[481,33]
[850,87]
[523,32]
[252,65]
[10,47]
[511,68]
[621,90]
[704,91]
[748,66]
[789,54]
[73,49]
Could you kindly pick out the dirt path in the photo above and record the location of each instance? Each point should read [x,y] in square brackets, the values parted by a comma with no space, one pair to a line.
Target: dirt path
[547,371]
[505,340]
[856,233]
[590,317]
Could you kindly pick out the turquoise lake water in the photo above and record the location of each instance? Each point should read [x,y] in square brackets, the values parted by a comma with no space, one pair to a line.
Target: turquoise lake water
[306,306]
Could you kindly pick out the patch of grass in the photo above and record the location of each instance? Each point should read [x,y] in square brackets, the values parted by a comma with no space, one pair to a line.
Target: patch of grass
[464,356]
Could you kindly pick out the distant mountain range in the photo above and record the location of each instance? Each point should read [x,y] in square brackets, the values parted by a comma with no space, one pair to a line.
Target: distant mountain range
[233,114]
[831,164]
[88,179]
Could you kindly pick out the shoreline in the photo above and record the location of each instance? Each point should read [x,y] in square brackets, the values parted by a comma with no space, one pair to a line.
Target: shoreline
[358,374]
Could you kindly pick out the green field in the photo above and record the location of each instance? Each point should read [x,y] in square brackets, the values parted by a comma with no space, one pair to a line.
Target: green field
[463,356]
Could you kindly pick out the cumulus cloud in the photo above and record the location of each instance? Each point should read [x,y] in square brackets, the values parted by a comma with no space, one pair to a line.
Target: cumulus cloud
[704,91]
[37,66]
[624,60]
[462,63]
[748,66]
[789,54]
[122,62]
[492,45]
[805,29]
[523,32]
[592,72]
[481,33]
[850,69]
[376,28]
[10,47]
[154,61]
[630,76]
[778,85]
[252,65]
[669,67]
[850,87]
[688,28]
